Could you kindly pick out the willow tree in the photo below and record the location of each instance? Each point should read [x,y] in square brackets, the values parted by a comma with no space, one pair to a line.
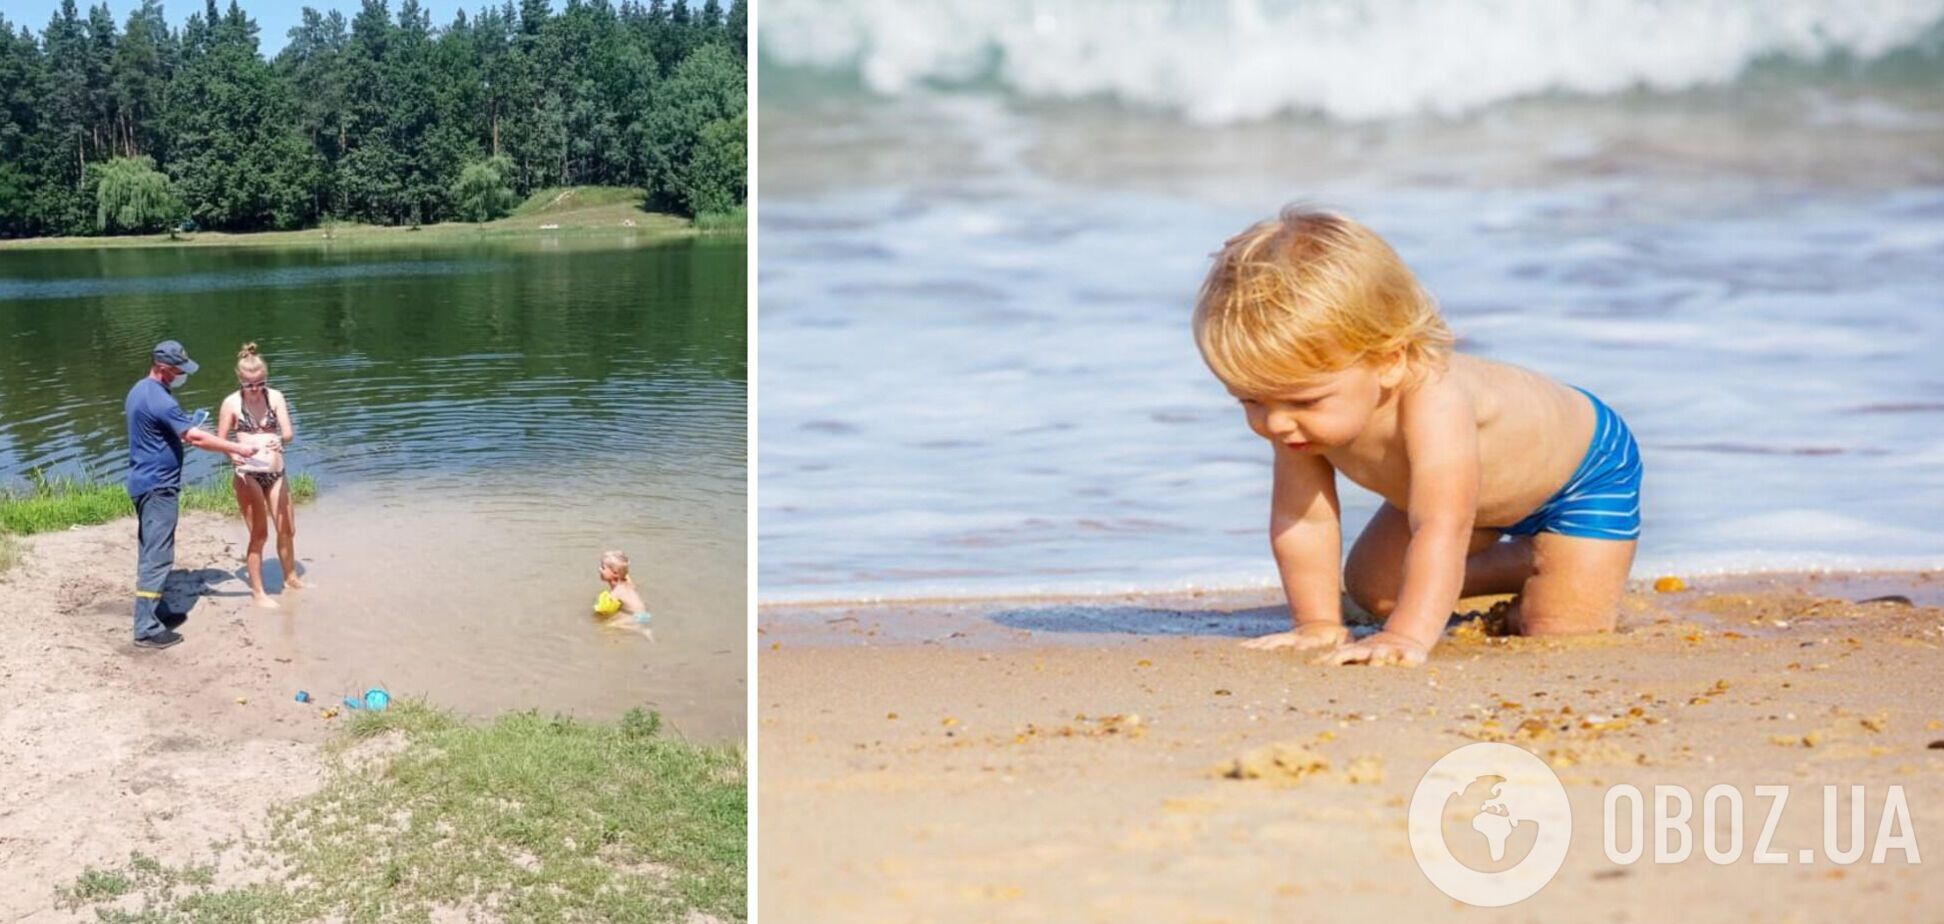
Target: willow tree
[131,195]
[483,190]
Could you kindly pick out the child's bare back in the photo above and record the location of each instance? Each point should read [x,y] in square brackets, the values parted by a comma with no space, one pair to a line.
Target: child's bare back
[1531,434]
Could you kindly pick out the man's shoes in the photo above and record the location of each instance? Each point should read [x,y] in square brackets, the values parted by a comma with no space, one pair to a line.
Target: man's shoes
[172,620]
[162,639]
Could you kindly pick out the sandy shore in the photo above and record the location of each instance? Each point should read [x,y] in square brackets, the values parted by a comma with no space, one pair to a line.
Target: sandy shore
[106,749]
[1062,760]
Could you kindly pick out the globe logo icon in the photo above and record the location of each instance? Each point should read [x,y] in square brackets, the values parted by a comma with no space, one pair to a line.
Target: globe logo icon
[1490,824]
[1476,814]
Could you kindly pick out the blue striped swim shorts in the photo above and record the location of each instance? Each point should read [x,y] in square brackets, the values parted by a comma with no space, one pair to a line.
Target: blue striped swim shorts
[1602,499]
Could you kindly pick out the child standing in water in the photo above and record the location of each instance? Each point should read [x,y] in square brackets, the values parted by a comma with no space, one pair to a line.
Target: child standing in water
[621,604]
[1495,479]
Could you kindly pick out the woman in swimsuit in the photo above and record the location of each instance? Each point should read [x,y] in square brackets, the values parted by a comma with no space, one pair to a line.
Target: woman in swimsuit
[261,418]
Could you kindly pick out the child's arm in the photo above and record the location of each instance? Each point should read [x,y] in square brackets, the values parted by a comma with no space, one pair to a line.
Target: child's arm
[1440,432]
[1306,535]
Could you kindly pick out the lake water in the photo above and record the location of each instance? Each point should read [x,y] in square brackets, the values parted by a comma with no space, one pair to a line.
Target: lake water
[983,226]
[483,421]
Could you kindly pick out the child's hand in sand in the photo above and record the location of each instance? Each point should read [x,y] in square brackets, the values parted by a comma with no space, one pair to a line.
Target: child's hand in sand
[1305,637]
[1382,648]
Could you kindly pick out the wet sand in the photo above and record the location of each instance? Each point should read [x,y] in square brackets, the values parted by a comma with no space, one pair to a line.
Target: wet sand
[1049,760]
[106,749]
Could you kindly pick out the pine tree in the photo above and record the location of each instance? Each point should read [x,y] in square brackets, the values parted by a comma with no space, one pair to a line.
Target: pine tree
[239,161]
[372,116]
[139,76]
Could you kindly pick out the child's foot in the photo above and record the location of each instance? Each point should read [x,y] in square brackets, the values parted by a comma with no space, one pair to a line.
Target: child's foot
[266,602]
[293,582]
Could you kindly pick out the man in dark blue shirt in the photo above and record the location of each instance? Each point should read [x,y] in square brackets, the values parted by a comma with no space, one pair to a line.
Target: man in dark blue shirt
[157,428]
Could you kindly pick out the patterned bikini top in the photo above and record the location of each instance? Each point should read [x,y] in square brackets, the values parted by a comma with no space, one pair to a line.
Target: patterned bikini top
[247,424]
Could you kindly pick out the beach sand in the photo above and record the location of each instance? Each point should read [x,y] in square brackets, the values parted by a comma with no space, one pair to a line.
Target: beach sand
[106,749]
[1063,760]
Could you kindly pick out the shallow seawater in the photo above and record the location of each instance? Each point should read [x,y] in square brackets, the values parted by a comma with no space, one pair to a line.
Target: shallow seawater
[483,421]
[979,379]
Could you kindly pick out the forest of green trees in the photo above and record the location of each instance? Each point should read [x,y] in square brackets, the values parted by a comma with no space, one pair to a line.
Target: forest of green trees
[130,127]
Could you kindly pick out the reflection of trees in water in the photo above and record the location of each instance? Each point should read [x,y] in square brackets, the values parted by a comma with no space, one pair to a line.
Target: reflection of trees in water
[635,338]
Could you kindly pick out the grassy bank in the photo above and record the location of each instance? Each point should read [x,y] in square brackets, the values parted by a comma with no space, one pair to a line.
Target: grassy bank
[527,819]
[568,212]
[48,504]
[733,222]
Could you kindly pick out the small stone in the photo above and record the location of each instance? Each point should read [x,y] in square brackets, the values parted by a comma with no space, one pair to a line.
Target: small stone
[1287,763]
[1368,768]
[1670,585]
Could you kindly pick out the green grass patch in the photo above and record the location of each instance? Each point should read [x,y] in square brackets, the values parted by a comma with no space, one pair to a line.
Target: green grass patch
[54,503]
[556,199]
[96,886]
[142,874]
[719,222]
[527,818]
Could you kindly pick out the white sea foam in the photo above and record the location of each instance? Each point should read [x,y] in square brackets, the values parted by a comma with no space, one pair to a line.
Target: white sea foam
[1219,62]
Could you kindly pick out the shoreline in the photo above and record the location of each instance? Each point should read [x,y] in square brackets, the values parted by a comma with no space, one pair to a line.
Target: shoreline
[592,223]
[118,759]
[1102,744]
[1069,619]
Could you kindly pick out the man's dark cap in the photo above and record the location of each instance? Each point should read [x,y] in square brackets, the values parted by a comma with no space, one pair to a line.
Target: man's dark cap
[171,353]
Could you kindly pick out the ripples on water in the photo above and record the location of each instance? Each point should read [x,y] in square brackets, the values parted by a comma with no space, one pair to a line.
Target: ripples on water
[981,380]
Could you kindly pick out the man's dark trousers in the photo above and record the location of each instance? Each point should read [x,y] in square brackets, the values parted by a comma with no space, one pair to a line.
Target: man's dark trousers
[157,512]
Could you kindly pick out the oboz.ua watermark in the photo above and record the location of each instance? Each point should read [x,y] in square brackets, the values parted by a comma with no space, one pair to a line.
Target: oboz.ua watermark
[1490,825]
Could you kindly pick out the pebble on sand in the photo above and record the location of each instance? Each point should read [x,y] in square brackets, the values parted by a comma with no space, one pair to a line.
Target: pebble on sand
[1283,763]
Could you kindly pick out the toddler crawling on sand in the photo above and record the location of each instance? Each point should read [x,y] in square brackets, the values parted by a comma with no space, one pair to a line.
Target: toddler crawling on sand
[1495,479]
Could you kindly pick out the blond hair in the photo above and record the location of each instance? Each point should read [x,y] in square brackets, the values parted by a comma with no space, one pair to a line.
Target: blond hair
[249,363]
[1309,293]
[615,561]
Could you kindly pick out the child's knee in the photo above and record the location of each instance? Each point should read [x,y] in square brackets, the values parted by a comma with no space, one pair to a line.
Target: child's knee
[1372,597]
